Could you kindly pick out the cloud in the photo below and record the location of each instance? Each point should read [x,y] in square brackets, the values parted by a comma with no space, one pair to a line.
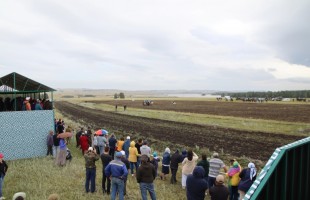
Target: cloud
[240,45]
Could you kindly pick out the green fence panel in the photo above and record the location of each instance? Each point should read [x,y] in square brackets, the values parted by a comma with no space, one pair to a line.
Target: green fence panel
[286,175]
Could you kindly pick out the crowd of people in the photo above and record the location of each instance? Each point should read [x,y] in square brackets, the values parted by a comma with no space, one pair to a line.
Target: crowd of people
[24,104]
[122,158]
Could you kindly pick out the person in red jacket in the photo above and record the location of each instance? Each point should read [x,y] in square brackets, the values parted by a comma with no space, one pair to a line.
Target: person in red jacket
[84,142]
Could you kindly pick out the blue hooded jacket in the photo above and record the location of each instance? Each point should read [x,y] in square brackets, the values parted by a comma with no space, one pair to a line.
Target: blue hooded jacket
[196,185]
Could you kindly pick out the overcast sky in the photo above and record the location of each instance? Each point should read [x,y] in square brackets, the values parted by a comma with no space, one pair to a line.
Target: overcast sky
[162,44]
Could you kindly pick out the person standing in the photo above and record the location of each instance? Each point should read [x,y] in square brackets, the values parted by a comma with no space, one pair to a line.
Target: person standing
[196,184]
[248,176]
[105,159]
[138,145]
[120,144]
[61,157]
[215,166]
[145,177]
[233,180]
[145,149]
[117,172]
[205,165]
[219,191]
[112,145]
[101,143]
[176,158]
[84,142]
[188,165]
[90,158]
[3,170]
[127,164]
[126,146]
[56,145]
[77,137]
[49,143]
[165,164]
[133,157]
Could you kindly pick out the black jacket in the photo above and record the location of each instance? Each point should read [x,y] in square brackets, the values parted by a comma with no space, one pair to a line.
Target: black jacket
[3,167]
[176,158]
[146,173]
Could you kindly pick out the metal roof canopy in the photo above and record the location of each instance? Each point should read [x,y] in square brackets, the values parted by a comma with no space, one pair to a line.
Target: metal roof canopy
[16,83]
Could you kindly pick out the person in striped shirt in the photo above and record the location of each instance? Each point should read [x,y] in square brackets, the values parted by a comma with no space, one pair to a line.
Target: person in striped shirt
[216,165]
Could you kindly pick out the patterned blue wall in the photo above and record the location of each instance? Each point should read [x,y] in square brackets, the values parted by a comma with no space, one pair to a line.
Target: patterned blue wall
[23,133]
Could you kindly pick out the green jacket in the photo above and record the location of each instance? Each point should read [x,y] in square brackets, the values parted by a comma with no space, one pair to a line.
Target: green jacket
[90,159]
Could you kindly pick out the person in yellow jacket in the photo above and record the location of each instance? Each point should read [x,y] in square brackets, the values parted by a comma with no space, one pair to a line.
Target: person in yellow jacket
[233,180]
[133,157]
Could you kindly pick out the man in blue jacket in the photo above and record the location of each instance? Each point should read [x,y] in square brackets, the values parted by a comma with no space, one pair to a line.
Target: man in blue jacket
[117,171]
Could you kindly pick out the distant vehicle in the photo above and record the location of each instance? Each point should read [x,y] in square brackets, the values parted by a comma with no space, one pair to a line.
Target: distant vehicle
[147,102]
[277,99]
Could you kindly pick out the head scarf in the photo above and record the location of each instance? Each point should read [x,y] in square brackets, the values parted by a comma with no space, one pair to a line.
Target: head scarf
[167,150]
[253,170]
[235,169]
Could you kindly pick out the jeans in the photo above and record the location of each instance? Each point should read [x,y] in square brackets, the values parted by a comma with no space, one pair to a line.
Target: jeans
[49,150]
[104,179]
[90,177]
[144,187]
[1,184]
[233,193]
[132,164]
[117,186]
[211,181]
[101,149]
[173,179]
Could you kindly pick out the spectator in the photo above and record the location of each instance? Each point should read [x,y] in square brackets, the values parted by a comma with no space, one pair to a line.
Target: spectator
[105,159]
[184,154]
[138,145]
[205,165]
[27,104]
[145,177]
[196,184]
[117,171]
[120,144]
[89,135]
[61,157]
[90,158]
[215,166]
[165,164]
[154,159]
[133,157]
[49,143]
[233,180]
[188,166]
[145,149]
[95,143]
[112,145]
[84,142]
[77,137]
[248,176]
[19,196]
[127,163]
[38,105]
[101,142]
[126,146]
[56,145]
[219,191]
[3,170]
[176,158]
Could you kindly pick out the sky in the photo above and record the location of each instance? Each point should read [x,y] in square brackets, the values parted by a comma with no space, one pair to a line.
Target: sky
[256,45]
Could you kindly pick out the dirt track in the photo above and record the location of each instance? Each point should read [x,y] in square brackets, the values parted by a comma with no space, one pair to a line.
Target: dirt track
[270,111]
[256,145]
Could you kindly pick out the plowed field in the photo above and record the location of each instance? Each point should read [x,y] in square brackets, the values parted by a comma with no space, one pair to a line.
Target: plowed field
[255,145]
[270,111]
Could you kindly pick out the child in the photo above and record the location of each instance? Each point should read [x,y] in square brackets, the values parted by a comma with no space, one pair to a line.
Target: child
[154,159]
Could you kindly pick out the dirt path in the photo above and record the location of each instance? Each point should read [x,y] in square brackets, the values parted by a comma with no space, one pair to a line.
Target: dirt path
[256,145]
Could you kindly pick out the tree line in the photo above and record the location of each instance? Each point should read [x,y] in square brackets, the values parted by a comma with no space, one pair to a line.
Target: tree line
[269,94]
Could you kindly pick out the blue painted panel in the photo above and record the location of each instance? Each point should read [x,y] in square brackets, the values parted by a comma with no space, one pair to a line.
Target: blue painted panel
[23,133]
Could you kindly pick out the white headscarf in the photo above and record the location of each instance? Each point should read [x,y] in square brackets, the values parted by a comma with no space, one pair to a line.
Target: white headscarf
[253,170]
[167,150]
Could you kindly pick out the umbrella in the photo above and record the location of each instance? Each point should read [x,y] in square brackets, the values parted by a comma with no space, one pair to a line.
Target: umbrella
[101,132]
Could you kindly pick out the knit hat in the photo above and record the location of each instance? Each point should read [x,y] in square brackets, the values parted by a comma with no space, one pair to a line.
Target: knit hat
[167,150]
[155,154]
[128,137]
[118,154]
[1,155]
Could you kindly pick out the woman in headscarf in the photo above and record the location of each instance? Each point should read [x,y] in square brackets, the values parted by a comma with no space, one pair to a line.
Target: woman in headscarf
[165,164]
[233,180]
[248,176]
[188,165]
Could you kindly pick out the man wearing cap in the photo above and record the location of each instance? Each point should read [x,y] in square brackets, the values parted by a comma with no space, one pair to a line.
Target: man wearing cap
[3,170]
[90,158]
[219,191]
[215,166]
[117,172]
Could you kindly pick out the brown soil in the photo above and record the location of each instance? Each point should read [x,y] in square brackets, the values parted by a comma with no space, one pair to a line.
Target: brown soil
[269,111]
[252,144]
